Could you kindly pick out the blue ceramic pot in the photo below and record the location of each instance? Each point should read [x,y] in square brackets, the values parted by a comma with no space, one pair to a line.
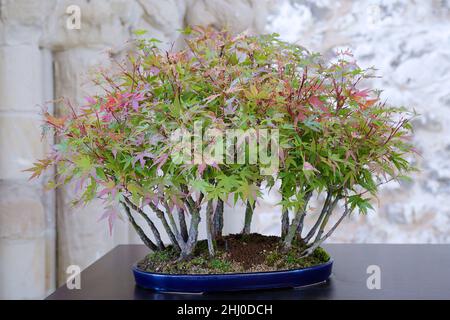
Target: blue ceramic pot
[232,281]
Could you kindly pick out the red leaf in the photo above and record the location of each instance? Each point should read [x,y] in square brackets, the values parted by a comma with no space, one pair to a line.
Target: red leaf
[315,101]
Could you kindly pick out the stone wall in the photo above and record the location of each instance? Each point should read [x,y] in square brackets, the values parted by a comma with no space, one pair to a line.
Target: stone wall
[42,60]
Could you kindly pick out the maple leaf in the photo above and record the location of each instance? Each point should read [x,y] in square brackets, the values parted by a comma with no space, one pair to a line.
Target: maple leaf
[309,167]
[315,101]
[111,214]
[361,93]
[161,160]
[53,121]
[141,158]
[38,168]
[368,103]
[211,98]
[110,188]
[201,168]
[90,100]
[154,70]
[249,191]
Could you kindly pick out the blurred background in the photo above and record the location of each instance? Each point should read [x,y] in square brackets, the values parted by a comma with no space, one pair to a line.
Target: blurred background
[48,47]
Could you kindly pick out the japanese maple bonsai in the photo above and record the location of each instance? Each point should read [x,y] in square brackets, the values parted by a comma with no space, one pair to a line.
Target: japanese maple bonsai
[328,136]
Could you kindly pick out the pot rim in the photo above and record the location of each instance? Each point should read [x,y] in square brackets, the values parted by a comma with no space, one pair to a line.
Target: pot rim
[136,269]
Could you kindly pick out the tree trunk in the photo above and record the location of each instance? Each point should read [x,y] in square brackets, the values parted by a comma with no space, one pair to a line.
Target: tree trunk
[191,242]
[173,224]
[248,217]
[300,226]
[183,226]
[218,219]
[284,223]
[160,215]
[209,228]
[287,243]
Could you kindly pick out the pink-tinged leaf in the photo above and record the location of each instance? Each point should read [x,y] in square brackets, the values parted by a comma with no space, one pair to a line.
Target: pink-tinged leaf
[90,100]
[356,135]
[201,168]
[135,101]
[309,167]
[161,160]
[215,165]
[282,156]
[154,70]
[80,183]
[361,93]
[149,198]
[111,214]
[155,139]
[211,98]
[135,105]
[141,158]
[103,192]
[300,117]
[110,188]
[139,140]
[315,101]
[230,107]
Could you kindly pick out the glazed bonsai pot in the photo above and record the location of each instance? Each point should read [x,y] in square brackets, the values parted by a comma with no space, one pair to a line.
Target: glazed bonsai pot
[202,283]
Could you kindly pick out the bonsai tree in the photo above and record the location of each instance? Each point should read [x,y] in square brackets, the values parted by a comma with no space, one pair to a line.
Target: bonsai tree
[153,143]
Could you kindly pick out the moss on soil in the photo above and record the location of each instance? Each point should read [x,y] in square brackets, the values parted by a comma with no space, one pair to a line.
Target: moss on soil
[235,254]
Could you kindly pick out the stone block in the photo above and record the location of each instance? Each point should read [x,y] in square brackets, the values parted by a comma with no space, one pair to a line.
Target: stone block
[22,269]
[20,144]
[22,214]
[20,78]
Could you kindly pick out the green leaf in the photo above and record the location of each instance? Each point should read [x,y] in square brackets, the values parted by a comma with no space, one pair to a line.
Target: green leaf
[139,32]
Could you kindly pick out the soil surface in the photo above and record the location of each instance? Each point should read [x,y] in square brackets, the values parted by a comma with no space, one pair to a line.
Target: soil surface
[235,253]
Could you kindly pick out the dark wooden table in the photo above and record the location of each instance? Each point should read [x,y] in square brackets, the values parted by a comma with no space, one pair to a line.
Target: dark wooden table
[407,272]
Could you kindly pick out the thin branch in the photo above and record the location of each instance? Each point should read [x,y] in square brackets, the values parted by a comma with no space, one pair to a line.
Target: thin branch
[319,241]
[150,223]
[313,230]
[160,215]
[173,224]
[327,216]
[149,243]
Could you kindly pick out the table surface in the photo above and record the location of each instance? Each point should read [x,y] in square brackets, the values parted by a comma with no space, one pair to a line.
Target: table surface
[408,271]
